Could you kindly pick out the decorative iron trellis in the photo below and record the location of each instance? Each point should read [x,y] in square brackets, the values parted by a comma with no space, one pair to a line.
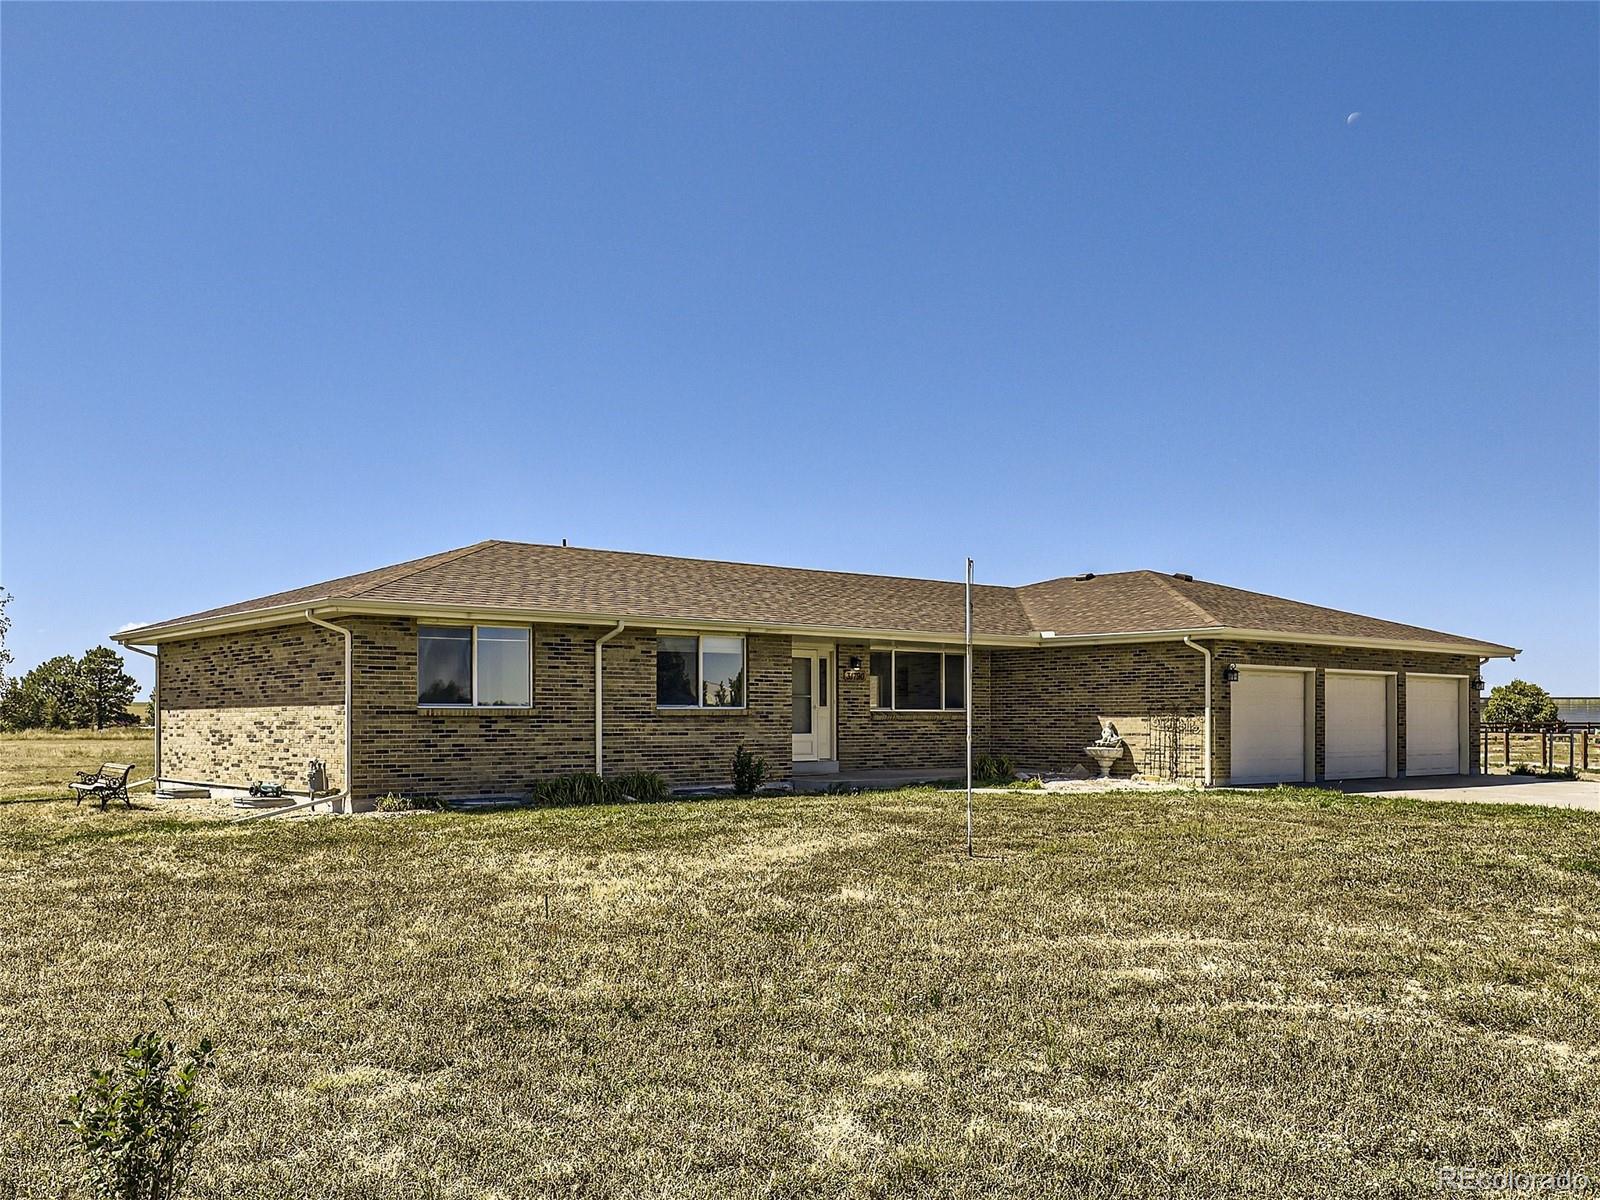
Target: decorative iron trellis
[1174,738]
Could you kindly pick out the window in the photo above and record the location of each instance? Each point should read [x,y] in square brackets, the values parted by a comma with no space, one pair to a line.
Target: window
[699,672]
[465,666]
[917,680]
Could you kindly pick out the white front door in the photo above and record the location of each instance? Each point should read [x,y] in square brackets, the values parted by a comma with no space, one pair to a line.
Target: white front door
[1433,725]
[813,705]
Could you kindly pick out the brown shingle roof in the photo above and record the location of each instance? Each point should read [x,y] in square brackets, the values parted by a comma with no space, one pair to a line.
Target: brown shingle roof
[1148,601]
[609,584]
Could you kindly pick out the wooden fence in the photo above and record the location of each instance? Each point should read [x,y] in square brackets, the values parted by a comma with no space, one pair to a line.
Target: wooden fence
[1549,747]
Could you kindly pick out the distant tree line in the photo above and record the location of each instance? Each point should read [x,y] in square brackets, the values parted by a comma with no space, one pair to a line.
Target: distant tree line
[70,693]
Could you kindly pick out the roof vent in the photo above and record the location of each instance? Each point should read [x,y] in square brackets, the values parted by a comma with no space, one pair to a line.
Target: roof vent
[1182,576]
[1085,577]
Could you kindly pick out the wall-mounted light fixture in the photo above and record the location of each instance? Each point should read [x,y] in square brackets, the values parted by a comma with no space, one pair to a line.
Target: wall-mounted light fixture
[853,669]
[1230,673]
[1476,684]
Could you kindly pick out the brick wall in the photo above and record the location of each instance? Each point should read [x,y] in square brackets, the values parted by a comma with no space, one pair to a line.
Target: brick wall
[1326,658]
[869,738]
[257,705]
[454,752]
[250,706]
[1049,703]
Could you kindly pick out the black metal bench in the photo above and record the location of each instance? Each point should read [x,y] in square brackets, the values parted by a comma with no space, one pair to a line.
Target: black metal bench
[109,783]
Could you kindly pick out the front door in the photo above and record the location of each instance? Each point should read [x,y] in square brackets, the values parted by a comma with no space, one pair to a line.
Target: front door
[813,705]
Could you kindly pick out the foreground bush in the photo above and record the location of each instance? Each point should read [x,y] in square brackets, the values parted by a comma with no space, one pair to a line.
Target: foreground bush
[136,1122]
[993,768]
[749,772]
[585,787]
[392,803]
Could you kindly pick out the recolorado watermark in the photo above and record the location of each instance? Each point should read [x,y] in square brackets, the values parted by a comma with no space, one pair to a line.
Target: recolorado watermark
[1514,1182]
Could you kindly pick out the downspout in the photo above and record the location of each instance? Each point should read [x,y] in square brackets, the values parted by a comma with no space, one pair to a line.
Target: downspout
[349,716]
[600,697]
[1193,645]
[155,708]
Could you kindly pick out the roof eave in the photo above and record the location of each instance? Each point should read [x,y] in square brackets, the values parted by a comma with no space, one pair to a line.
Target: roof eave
[281,614]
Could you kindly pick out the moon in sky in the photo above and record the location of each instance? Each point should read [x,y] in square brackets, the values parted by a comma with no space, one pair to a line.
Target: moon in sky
[1352,118]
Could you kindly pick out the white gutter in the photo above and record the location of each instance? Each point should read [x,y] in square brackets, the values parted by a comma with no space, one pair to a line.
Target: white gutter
[1207,760]
[155,707]
[349,717]
[600,696]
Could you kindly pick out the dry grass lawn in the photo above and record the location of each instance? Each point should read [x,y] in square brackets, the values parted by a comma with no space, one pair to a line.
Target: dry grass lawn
[42,762]
[1271,994]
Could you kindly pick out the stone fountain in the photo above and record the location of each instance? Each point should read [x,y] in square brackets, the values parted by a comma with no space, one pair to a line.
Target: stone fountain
[1108,749]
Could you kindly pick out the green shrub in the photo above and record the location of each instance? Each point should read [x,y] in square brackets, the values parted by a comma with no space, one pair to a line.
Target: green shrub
[639,785]
[749,772]
[137,1120]
[585,787]
[582,787]
[1519,702]
[395,803]
[992,768]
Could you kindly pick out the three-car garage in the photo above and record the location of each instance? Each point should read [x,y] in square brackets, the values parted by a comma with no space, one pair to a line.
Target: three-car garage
[1273,724]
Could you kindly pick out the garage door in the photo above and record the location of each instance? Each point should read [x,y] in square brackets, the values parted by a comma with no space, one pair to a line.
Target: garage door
[1357,726]
[1433,725]
[1268,727]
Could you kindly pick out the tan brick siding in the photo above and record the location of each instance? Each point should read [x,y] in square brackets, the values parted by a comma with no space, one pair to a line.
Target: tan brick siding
[236,747]
[258,704]
[870,739]
[250,706]
[444,752]
[1049,704]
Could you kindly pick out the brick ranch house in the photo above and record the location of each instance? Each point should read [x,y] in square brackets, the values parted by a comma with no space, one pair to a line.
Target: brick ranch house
[481,669]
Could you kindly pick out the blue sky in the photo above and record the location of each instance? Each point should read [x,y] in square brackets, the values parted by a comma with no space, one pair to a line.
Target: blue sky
[869,288]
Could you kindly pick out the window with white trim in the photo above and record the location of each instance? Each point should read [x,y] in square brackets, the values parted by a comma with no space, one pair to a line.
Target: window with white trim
[474,666]
[699,671]
[917,680]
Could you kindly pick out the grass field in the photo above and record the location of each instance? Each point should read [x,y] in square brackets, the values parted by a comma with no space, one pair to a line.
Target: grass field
[1292,994]
[42,762]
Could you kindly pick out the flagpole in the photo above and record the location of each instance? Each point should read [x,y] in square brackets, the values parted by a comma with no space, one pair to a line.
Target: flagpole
[967,667]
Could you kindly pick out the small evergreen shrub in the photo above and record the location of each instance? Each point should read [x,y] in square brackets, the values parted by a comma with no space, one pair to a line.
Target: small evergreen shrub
[749,772]
[136,1122]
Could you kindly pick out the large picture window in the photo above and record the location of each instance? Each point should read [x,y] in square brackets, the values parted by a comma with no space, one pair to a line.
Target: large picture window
[917,680]
[699,671]
[474,666]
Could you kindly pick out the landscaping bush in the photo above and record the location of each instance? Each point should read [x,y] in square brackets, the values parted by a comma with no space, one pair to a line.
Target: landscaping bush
[137,1121]
[749,772]
[992,768]
[585,787]
[394,803]
[640,785]
[582,787]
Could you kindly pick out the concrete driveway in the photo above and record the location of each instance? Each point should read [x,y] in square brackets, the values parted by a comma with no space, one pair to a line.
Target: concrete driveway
[1487,789]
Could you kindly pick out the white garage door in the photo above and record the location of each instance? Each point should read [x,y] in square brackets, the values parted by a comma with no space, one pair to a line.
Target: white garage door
[1357,726]
[1269,727]
[1433,725]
